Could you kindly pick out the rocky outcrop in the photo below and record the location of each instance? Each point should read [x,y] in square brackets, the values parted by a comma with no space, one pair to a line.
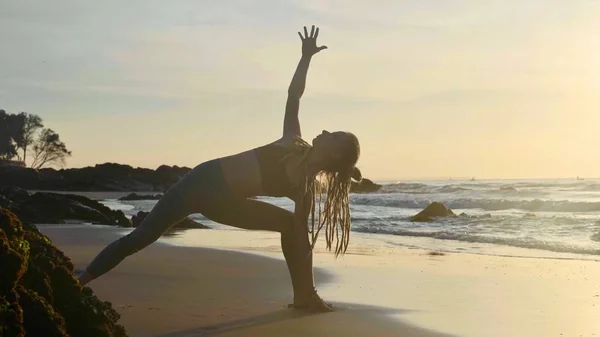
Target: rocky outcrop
[433,211]
[186,223]
[39,295]
[112,177]
[135,196]
[101,177]
[364,186]
[45,207]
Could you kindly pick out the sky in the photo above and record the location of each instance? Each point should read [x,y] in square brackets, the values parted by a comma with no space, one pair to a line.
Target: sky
[432,88]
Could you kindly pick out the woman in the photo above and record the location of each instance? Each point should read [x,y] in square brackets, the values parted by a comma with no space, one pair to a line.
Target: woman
[222,190]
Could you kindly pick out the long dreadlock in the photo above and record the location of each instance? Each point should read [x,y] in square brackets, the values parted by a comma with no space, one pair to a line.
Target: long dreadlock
[330,208]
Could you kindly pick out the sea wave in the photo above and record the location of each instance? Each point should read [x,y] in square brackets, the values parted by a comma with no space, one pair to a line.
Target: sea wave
[535,205]
[520,242]
[490,187]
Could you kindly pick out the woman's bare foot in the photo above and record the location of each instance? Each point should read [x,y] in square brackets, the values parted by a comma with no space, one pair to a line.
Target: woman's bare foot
[312,303]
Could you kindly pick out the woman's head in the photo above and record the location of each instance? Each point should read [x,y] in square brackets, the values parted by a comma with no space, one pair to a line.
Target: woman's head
[334,155]
[337,152]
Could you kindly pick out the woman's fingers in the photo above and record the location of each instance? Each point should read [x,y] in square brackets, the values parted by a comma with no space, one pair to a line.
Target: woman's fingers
[314,33]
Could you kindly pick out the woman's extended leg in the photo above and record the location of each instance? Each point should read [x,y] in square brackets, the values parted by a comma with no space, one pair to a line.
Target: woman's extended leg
[168,211]
[257,215]
[200,184]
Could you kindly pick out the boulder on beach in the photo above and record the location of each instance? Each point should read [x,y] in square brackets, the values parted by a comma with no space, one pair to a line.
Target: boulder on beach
[39,295]
[46,207]
[433,211]
[186,223]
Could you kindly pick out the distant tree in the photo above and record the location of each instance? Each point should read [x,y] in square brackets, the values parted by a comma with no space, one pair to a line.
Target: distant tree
[48,149]
[5,139]
[25,136]
[10,126]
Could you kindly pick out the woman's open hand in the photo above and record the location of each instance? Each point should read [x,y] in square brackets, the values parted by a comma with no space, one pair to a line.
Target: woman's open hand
[309,42]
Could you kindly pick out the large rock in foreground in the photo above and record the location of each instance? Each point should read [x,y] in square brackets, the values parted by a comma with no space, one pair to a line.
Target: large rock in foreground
[38,294]
[433,211]
[186,223]
[45,207]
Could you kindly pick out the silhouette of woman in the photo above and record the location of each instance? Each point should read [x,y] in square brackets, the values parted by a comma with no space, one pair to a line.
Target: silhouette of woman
[222,190]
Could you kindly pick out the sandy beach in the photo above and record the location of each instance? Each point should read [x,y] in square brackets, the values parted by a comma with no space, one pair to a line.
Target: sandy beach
[239,286]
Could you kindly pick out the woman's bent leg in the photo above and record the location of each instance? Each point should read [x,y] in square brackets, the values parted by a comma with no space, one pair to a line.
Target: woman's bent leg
[257,215]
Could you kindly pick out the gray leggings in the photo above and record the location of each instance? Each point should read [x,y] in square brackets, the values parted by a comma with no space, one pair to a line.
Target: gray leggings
[203,190]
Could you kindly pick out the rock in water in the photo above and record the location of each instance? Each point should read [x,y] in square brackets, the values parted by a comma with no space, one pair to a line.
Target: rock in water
[364,186]
[434,210]
[39,295]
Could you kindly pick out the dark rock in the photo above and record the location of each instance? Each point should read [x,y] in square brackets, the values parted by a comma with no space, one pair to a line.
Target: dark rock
[45,207]
[5,202]
[39,295]
[433,211]
[101,177]
[186,223]
[15,194]
[168,176]
[364,186]
[135,196]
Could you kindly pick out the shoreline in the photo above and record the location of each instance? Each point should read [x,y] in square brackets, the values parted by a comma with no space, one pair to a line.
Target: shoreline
[164,291]
[398,288]
[452,237]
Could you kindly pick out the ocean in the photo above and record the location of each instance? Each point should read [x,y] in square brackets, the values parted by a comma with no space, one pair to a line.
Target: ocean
[521,218]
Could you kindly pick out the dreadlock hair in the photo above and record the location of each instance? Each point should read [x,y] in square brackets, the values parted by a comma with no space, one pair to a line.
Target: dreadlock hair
[333,182]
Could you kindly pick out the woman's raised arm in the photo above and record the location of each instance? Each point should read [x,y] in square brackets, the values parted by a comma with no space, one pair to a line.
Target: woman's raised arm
[291,122]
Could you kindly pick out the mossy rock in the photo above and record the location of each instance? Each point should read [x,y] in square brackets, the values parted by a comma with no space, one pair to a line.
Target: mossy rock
[39,295]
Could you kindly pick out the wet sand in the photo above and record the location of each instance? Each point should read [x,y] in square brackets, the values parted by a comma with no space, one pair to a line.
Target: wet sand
[168,291]
[240,287]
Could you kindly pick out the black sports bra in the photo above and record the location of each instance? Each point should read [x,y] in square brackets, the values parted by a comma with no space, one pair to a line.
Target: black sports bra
[275,182]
